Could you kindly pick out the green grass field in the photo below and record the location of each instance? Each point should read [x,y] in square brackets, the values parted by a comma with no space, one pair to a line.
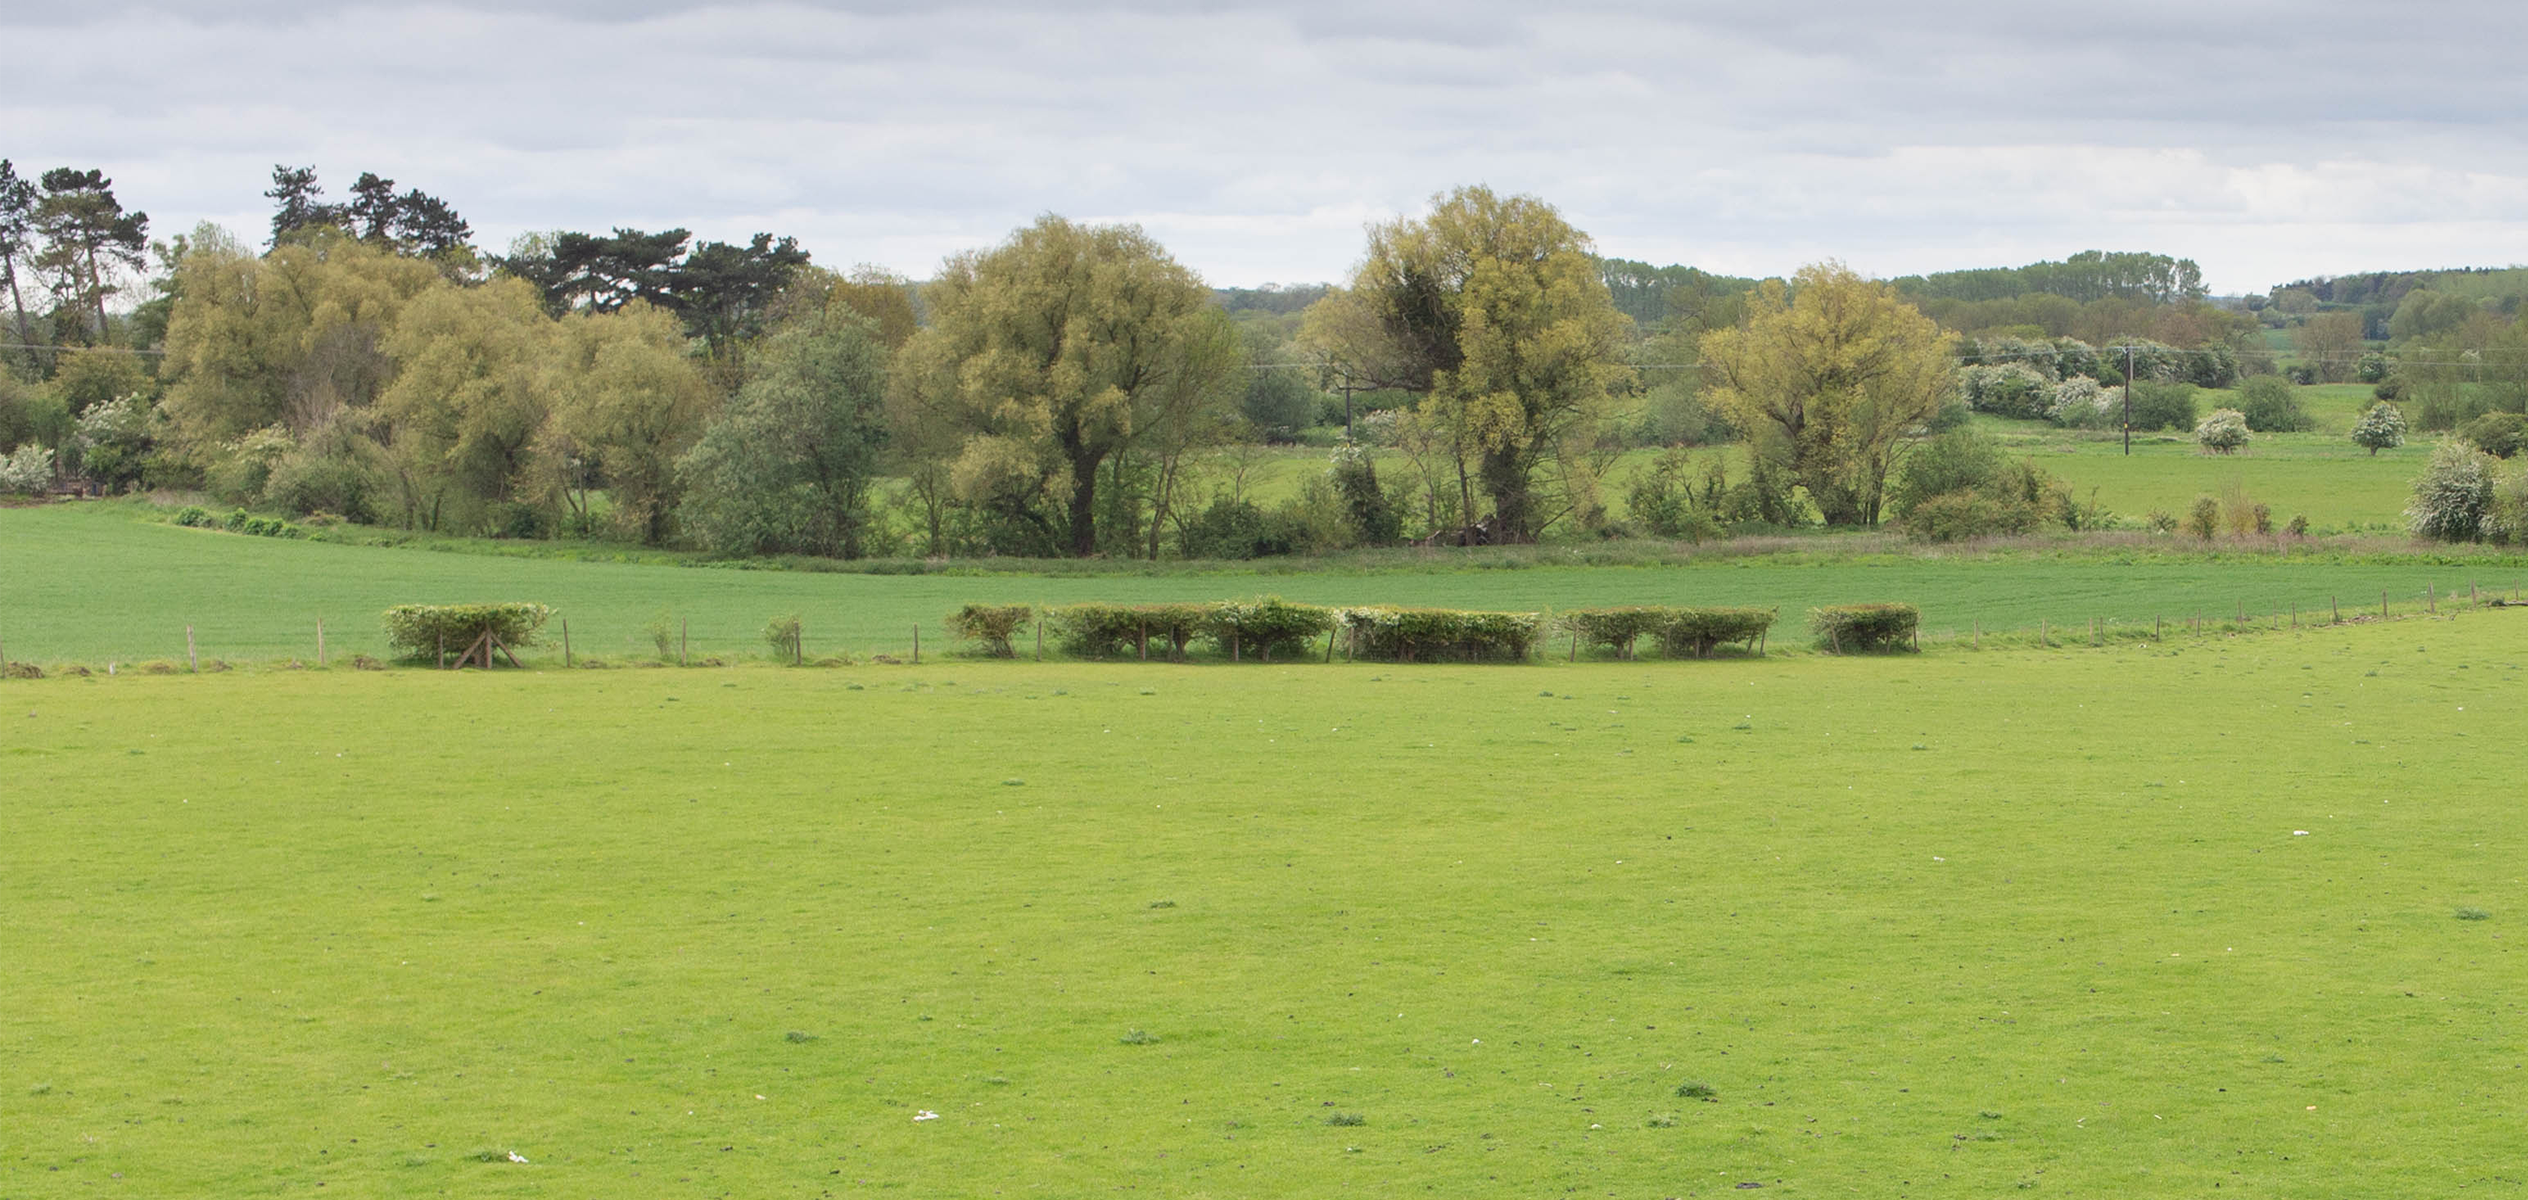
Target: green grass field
[2125,922]
[93,584]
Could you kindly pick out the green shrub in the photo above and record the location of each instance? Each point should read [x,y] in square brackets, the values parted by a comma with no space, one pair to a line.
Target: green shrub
[2223,432]
[2381,428]
[991,624]
[1261,627]
[2269,406]
[1860,628]
[1229,529]
[2453,495]
[2203,518]
[2159,404]
[235,521]
[1421,634]
[1664,500]
[2500,434]
[1113,630]
[1696,632]
[783,634]
[194,516]
[421,630]
[1616,629]
[2008,389]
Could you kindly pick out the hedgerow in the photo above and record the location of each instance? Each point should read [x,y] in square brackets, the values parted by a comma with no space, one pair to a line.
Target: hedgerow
[1262,627]
[991,624]
[1616,629]
[422,630]
[1680,632]
[1412,634]
[1114,630]
[1860,628]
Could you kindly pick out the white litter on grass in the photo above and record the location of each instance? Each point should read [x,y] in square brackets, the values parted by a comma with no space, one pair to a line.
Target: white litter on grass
[926,1115]
[2299,833]
[516,1157]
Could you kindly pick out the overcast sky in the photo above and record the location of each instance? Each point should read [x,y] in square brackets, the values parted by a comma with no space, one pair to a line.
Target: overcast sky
[2265,140]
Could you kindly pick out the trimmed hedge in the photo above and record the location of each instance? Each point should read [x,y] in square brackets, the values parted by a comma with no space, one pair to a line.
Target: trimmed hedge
[422,630]
[1860,628]
[1681,632]
[1414,634]
[1262,627]
[1116,630]
[991,624]
[1696,632]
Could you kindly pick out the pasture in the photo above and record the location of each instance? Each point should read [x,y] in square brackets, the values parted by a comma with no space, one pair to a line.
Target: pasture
[93,584]
[2149,920]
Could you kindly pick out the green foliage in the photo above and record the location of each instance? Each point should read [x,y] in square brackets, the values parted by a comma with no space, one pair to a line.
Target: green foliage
[788,467]
[194,516]
[1097,630]
[2223,432]
[992,625]
[2268,405]
[2162,404]
[2500,434]
[1959,485]
[1696,632]
[1230,529]
[2382,427]
[2011,389]
[1616,629]
[1438,634]
[783,635]
[1374,517]
[27,469]
[1261,628]
[1665,502]
[1861,628]
[2453,495]
[2203,518]
[2079,403]
[1277,403]
[419,631]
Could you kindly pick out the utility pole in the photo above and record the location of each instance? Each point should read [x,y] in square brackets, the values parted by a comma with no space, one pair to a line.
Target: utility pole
[2128,400]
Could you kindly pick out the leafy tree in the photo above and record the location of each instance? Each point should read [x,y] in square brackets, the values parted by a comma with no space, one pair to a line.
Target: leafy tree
[467,401]
[89,241]
[295,205]
[2330,343]
[2380,428]
[2500,434]
[1050,354]
[624,391]
[2223,432]
[1279,403]
[2268,405]
[85,379]
[600,273]
[1493,310]
[1828,378]
[17,244]
[723,291]
[788,467]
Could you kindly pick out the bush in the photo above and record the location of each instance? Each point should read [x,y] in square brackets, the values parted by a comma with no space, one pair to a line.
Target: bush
[2381,428]
[2268,406]
[991,624]
[1411,634]
[1109,630]
[29,469]
[1228,529]
[2390,388]
[422,630]
[1375,519]
[2453,494]
[1616,629]
[2371,368]
[1696,632]
[2007,389]
[2079,403]
[2159,404]
[783,634]
[2203,519]
[1261,627]
[2162,521]
[1664,501]
[193,516]
[2223,432]
[2500,434]
[235,521]
[1960,515]
[1860,628]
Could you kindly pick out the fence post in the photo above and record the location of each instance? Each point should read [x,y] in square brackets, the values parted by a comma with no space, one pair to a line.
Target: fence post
[917,644]
[2042,637]
[566,641]
[2156,634]
[191,659]
[684,627]
[2335,606]
[2431,603]
[799,646]
[443,651]
[320,641]
[1979,633]
[1329,646]
[1040,639]
[4,660]
[2383,606]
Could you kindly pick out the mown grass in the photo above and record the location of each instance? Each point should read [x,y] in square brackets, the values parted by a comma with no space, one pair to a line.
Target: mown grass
[1954,924]
[91,584]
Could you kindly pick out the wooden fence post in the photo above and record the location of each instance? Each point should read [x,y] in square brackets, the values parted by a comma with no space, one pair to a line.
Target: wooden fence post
[684,628]
[320,641]
[191,659]
[2156,634]
[1979,633]
[4,660]
[2336,607]
[443,651]
[1329,646]
[799,646]
[2383,606]
[2042,637]
[1040,639]
[566,641]
[917,645]
[2431,603]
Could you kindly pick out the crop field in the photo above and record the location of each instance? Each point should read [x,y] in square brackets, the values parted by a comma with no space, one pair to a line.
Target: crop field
[91,584]
[2236,913]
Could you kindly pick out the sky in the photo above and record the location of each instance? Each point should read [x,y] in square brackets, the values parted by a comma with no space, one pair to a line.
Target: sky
[2267,141]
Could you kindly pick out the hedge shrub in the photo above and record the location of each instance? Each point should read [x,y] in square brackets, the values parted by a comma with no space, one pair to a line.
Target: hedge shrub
[1262,627]
[1114,630]
[1696,632]
[1616,629]
[1859,628]
[1410,634]
[421,630]
[991,624]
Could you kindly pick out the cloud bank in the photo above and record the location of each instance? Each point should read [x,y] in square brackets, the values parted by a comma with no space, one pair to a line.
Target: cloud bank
[2265,140]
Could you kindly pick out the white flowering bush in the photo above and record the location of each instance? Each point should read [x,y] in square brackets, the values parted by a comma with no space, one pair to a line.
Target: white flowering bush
[2381,428]
[2223,432]
[2453,495]
[2079,403]
[2005,389]
[29,468]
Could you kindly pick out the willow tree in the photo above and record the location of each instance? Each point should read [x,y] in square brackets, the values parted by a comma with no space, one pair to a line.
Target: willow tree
[1493,309]
[1830,378]
[1051,354]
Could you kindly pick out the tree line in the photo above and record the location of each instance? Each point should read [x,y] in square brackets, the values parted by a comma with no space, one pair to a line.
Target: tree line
[1073,390]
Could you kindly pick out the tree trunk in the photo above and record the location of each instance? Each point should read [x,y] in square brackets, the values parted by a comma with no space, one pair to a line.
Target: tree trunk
[1505,480]
[1084,505]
